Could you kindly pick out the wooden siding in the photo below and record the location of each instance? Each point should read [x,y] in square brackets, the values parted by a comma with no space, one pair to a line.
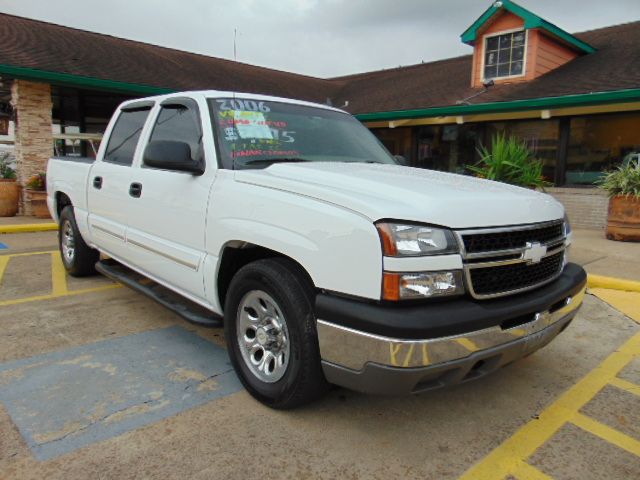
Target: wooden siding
[550,55]
[505,21]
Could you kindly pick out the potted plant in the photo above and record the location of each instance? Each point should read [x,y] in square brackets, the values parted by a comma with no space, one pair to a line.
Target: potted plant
[509,161]
[623,187]
[9,189]
[37,188]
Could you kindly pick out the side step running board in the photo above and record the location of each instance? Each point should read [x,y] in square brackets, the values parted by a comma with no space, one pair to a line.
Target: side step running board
[187,309]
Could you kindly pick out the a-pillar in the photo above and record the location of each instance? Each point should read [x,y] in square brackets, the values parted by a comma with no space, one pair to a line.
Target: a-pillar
[33,138]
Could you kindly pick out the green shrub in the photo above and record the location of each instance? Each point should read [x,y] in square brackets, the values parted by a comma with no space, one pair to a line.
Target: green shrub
[5,169]
[624,180]
[509,161]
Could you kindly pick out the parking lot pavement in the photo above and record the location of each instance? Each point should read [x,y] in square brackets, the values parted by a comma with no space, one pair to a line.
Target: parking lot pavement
[600,256]
[97,380]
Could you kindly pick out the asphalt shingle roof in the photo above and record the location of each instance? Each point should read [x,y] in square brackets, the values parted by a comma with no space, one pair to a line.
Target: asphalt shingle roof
[45,46]
[614,66]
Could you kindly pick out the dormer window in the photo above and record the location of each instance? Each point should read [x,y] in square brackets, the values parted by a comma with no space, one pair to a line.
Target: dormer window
[504,55]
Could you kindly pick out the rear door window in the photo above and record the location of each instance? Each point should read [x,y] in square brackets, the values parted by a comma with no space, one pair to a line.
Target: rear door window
[124,136]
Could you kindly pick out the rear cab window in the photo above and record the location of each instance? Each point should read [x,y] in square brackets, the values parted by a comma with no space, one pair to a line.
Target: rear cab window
[125,135]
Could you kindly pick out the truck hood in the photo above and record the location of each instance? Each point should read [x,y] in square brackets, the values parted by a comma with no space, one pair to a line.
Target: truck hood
[380,191]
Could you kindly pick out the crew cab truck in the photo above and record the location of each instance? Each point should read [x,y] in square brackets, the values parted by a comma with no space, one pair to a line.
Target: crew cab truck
[326,260]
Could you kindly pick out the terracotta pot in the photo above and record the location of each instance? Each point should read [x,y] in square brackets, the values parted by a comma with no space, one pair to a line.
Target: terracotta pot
[623,222]
[39,203]
[9,194]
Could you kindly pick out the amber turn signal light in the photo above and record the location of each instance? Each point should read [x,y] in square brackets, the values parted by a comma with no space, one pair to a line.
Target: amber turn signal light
[388,241]
[391,286]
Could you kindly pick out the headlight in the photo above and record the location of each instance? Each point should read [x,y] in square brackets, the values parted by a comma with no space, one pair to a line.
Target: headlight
[416,285]
[401,240]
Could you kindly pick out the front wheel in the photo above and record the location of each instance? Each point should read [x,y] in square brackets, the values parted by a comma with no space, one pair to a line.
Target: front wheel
[77,257]
[271,333]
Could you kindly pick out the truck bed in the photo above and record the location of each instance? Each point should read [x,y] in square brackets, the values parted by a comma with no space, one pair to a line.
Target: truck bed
[69,175]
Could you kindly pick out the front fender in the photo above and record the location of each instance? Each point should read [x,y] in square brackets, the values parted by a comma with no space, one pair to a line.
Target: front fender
[339,249]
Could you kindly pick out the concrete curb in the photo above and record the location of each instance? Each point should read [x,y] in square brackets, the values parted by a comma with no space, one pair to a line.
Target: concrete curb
[28,227]
[599,281]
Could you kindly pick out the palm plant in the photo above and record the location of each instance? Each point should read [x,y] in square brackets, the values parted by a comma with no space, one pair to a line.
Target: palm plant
[510,161]
[6,171]
[623,181]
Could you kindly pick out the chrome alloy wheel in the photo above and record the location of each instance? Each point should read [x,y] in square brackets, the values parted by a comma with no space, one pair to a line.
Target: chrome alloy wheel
[262,336]
[68,242]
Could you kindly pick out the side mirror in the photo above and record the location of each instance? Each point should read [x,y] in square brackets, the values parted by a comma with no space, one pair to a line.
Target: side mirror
[171,155]
[401,160]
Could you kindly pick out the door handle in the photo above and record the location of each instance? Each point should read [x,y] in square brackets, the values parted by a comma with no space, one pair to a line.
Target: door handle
[135,189]
[97,182]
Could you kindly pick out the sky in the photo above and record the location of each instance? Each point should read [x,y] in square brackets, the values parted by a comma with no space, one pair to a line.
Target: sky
[322,38]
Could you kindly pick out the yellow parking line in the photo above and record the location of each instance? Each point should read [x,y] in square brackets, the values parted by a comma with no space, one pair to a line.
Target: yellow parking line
[59,287]
[37,298]
[508,457]
[26,254]
[612,283]
[525,471]
[29,227]
[625,385]
[607,433]
[58,275]
[3,266]
[626,302]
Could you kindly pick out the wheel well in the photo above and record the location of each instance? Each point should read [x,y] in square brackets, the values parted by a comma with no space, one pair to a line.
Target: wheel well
[234,257]
[61,201]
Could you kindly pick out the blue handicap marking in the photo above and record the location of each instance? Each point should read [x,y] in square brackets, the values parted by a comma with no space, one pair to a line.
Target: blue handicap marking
[66,400]
[3,246]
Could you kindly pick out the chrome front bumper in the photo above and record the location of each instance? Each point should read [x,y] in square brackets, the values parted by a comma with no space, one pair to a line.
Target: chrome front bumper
[349,355]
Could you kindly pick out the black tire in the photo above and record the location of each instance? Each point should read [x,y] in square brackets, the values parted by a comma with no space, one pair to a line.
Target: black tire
[282,280]
[82,261]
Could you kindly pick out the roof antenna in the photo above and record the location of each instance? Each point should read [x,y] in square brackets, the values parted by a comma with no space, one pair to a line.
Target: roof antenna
[486,84]
[235,54]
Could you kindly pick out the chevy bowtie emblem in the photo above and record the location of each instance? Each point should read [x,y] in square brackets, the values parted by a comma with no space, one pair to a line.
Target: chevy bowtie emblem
[533,252]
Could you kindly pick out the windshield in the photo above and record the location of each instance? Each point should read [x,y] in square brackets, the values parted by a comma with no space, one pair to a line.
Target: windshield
[256,134]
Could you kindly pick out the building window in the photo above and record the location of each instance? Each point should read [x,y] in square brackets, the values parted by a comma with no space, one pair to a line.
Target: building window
[504,55]
[598,143]
[448,148]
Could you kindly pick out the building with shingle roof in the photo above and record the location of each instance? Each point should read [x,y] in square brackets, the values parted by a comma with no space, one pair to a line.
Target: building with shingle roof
[574,98]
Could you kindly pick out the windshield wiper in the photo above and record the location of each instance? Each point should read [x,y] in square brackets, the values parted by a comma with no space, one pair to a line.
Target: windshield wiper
[260,161]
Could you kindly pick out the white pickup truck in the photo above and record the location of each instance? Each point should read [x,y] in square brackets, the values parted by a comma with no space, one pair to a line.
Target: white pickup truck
[326,260]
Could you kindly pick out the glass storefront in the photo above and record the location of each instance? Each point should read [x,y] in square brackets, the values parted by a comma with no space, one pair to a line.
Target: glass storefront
[448,148]
[598,143]
[595,144]
[81,111]
[399,141]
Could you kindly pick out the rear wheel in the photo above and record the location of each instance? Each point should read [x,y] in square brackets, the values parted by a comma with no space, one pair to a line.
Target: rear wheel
[271,335]
[77,257]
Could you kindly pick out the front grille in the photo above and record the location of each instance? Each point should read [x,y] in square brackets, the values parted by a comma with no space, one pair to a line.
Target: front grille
[498,279]
[511,239]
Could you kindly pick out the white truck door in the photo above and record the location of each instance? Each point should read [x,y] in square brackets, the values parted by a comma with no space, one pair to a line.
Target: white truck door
[166,233]
[109,180]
